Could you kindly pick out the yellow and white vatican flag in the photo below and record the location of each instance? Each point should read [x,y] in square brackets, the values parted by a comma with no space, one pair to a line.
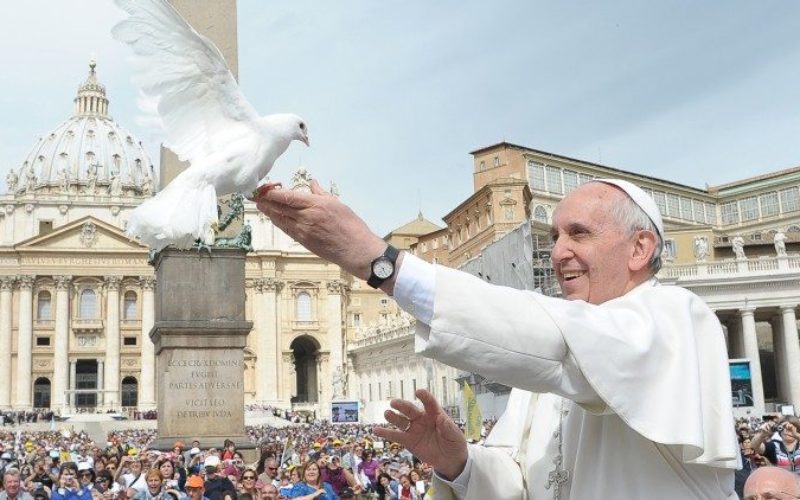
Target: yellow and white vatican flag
[474,420]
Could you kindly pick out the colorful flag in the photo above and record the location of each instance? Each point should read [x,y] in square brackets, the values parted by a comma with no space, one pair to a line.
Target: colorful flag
[474,419]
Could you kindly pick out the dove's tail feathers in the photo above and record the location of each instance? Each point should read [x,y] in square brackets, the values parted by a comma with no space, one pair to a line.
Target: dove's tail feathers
[179,215]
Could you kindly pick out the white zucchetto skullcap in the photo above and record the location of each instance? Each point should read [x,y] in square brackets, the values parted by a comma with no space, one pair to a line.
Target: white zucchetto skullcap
[642,199]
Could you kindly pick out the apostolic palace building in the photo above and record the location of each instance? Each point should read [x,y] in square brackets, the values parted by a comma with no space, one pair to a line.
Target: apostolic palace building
[76,295]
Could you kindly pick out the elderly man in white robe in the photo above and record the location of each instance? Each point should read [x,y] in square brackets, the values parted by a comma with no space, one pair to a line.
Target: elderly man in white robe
[624,385]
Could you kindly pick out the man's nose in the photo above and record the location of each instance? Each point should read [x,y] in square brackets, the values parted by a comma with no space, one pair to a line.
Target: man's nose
[560,252]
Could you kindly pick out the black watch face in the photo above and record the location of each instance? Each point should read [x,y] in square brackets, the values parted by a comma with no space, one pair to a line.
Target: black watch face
[383,268]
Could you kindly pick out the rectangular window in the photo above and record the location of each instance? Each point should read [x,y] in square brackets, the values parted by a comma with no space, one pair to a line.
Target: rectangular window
[380,392]
[686,208]
[729,212]
[45,226]
[790,199]
[670,249]
[389,390]
[769,204]
[584,178]
[748,208]
[414,385]
[129,341]
[673,205]
[554,180]
[444,390]
[402,392]
[699,211]
[370,392]
[570,181]
[711,213]
[661,202]
[42,341]
[356,319]
[536,175]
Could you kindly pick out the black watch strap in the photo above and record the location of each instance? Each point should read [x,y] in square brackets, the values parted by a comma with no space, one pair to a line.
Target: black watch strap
[389,254]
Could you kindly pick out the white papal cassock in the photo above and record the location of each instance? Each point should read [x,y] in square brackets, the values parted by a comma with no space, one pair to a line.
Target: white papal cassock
[638,388]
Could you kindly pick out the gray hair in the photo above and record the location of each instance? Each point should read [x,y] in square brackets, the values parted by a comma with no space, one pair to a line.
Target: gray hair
[632,218]
[11,471]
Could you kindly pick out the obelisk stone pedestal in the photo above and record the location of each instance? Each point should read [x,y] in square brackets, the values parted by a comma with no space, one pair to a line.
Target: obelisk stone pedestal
[199,334]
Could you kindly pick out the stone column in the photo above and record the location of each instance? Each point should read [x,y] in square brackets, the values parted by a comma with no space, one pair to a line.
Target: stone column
[335,342]
[24,343]
[751,353]
[101,395]
[112,341]
[73,376]
[6,290]
[147,382]
[268,340]
[61,344]
[792,353]
[290,376]
[779,355]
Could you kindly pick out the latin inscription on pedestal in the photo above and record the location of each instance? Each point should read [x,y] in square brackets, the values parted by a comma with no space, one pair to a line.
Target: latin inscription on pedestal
[203,390]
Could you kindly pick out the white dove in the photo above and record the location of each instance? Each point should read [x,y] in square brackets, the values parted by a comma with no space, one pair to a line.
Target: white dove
[206,121]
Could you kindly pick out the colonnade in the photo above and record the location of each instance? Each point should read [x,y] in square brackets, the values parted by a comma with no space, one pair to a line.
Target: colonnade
[60,368]
[742,339]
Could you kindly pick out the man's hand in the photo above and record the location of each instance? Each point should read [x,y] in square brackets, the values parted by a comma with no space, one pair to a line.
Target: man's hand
[429,433]
[324,225]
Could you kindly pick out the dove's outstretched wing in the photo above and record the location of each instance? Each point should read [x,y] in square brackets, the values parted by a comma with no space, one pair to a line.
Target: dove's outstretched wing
[198,98]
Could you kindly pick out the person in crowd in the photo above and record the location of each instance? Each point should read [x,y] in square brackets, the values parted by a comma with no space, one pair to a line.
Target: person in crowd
[772,483]
[406,490]
[269,471]
[173,477]
[779,443]
[195,488]
[12,489]
[40,476]
[311,485]
[368,467]
[155,486]
[68,486]
[269,492]
[384,487]
[294,478]
[133,473]
[105,485]
[338,477]
[86,477]
[248,483]
[228,449]
[216,483]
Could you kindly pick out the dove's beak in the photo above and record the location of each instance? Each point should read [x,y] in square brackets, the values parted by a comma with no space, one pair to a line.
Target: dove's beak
[307,141]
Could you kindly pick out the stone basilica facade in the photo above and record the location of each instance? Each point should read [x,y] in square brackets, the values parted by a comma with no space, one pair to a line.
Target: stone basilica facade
[76,295]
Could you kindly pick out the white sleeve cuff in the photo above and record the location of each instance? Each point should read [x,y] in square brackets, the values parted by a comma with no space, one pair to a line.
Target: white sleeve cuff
[460,483]
[414,287]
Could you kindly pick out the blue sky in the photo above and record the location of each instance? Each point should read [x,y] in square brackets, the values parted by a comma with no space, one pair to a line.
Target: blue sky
[397,93]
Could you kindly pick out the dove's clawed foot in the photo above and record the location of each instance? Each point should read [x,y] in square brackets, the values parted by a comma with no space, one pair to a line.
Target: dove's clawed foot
[264,189]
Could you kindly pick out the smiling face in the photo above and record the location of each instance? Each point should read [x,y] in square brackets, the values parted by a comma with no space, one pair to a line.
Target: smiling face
[594,257]
[311,473]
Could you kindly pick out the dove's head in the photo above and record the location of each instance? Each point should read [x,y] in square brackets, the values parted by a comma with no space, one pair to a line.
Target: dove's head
[290,126]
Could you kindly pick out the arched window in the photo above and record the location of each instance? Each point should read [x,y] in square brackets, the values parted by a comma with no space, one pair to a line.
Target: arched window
[88,304]
[303,312]
[129,307]
[43,306]
[540,214]
[130,391]
[793,229]
[41,393]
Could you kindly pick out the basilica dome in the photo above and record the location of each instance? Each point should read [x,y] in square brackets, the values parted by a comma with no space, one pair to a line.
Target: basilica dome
[88,154]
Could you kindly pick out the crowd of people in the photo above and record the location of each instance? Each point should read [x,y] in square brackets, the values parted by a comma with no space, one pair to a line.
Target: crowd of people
[26,416]
[317,460]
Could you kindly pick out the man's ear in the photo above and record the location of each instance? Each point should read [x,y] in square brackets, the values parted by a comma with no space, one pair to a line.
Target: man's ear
[644,247]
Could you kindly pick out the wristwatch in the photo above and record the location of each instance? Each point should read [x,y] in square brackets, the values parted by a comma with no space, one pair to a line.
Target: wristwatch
[382,268]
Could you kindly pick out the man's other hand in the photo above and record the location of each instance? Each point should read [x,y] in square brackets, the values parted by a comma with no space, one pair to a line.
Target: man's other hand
[429,433]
